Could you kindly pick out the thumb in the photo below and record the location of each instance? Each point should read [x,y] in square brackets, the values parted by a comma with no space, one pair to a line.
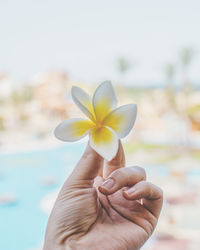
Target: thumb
[88,166]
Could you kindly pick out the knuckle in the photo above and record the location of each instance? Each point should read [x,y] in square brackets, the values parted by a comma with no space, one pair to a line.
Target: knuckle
[143,183]
[141,171]
[158,190]
[86,156]
[119,174]
[90,156]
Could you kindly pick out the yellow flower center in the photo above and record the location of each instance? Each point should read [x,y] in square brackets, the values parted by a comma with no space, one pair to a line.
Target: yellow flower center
[99,125]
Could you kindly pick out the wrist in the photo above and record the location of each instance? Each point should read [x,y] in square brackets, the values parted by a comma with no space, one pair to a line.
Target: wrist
[52,245]
[69,245]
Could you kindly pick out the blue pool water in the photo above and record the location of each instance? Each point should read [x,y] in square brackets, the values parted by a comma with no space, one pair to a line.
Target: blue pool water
[22,225]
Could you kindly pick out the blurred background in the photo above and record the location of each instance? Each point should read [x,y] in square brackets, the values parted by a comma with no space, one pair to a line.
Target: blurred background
[150,52]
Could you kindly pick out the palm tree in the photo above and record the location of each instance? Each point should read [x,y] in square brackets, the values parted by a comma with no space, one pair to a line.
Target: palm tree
[170,71]
[123,65]
[186,56]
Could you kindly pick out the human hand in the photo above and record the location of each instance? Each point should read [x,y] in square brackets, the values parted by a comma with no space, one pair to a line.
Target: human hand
[103,205]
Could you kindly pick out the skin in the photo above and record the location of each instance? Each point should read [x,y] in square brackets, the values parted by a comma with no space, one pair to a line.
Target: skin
[92,212]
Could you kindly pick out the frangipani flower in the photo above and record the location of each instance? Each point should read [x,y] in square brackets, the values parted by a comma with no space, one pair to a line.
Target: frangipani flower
[106,124]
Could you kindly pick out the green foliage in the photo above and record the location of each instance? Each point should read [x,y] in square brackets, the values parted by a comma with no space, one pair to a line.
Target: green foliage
[170,72]
[196,155]
[186,56]
[132,147]
[194,109]
[2,120]
[21,96]
[124,65]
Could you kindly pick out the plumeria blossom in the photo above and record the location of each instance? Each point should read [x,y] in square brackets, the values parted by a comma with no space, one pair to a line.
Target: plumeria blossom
[106,124]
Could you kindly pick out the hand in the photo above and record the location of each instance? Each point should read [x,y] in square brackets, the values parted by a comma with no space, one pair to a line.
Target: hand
[103,206]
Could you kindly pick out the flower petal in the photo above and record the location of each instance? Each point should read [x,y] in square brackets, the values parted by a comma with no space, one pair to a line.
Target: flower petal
[73,129]
[104,141]
[104,100]
[83,101]
[122,119]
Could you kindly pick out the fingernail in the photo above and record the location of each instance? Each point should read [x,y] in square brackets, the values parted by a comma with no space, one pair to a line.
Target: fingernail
[109,183]
[130,191]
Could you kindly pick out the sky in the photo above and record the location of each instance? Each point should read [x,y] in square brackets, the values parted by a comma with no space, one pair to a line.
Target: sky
[86,38]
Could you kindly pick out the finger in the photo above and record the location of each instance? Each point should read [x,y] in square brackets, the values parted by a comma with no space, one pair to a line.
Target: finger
[117,162]
[151,195]
[122,177]
[88,166]
[98,181]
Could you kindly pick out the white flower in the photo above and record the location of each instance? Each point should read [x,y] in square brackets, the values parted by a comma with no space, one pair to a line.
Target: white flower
[106,124]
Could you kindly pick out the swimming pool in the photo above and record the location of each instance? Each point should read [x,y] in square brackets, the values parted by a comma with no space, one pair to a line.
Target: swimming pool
[22,224]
